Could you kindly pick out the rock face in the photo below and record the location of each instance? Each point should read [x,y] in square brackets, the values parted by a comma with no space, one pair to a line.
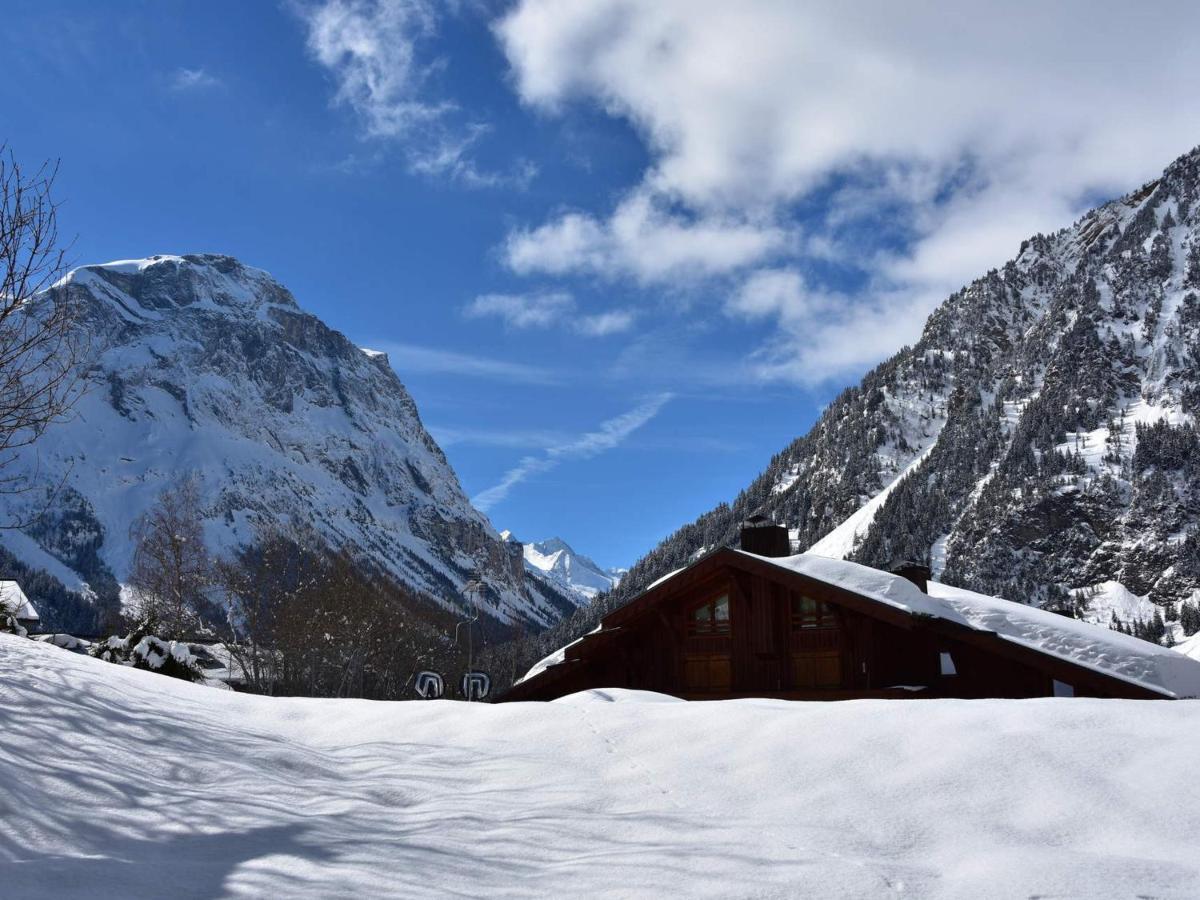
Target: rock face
[200,364]
[1038,442]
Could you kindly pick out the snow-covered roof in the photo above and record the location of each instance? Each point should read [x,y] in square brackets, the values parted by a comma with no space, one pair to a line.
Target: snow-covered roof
[1082,643]
[665,578]
[554,658]
[14,602]
[1111,653]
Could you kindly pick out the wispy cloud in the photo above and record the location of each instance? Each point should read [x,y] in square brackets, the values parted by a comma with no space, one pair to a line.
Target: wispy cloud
[606,323]
[546,310]
[412,358]
[184,79]
[609,435]
[448,155]
[522,310]
[453,435]
[380,57]
[371,49]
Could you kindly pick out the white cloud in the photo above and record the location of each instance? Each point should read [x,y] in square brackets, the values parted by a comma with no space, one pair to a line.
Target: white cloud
[966,127]
[770,292]
[184,79]
[370,46]
[522,310]
[411,358]
[643,240]
[611,434]
[448,154]
[756,101]
[378,52]
[546,310]
[603,324]
[823,336]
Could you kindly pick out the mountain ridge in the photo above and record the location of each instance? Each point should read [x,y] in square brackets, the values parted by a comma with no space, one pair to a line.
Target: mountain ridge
[1037,439]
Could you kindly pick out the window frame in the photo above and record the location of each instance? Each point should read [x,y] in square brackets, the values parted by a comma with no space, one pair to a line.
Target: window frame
[712,626]
[947,668]
[823,616]
[1061,688]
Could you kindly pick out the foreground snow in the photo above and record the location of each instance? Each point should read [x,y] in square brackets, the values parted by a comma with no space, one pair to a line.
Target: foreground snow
[121,783]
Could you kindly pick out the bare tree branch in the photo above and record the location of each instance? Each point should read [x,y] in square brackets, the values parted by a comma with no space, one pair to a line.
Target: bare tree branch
[39,346]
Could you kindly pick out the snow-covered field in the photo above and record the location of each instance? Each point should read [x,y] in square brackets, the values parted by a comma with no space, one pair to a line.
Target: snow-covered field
[119,783]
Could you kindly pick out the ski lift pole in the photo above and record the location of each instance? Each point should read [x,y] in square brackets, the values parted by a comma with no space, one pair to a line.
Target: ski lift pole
[471,591]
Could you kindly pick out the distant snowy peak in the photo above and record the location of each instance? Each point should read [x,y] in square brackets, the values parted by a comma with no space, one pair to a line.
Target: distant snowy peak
[568,570]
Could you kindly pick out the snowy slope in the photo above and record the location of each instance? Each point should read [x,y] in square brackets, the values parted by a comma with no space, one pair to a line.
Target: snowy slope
[840,542]
[200,364]
[571,572]
[120,783]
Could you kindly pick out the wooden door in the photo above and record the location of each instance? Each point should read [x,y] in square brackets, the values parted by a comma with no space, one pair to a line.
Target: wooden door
[815,646]
[707,658]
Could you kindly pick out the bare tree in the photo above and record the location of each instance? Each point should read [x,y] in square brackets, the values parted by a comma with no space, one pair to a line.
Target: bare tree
[39,348]
[172,571]
[312,621]
[263,584]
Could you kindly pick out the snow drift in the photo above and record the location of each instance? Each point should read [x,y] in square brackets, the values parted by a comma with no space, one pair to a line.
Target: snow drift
[116,782]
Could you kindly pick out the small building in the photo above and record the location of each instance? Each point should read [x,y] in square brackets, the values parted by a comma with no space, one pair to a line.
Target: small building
[13,602]
[766,624]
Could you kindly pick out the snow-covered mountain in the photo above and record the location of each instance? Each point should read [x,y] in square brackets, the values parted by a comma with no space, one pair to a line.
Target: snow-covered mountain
[569,571]
[200,364]
[1038,442]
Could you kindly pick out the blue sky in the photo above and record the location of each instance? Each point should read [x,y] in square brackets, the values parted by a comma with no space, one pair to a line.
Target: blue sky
[621,253]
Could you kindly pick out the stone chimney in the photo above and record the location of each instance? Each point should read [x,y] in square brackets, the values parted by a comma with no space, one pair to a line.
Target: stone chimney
[763,537]
[917,573]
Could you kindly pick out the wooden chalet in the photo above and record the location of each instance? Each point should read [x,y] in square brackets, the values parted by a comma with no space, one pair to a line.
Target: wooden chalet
[766,624]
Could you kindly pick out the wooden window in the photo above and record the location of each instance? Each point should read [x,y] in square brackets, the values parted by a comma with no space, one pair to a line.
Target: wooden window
[810,613]
[710,617]
[947,663]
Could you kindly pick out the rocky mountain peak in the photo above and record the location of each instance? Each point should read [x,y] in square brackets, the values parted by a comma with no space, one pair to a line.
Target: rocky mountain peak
[200,364]
[164,283]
